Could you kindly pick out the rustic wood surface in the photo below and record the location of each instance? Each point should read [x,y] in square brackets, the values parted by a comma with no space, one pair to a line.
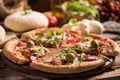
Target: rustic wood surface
[7,73]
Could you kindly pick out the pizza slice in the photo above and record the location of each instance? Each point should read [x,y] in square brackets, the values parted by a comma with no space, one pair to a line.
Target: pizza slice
[53,37]
[21,52]
[105,46]
[69,60]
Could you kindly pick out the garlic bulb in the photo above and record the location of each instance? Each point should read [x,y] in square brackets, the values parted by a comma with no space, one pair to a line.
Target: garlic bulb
[86,20]
[26,20]
[87,26]
[96,27]
[2,33]
[84,27]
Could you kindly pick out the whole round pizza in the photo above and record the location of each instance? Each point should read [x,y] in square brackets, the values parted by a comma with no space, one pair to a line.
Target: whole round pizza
[62,51]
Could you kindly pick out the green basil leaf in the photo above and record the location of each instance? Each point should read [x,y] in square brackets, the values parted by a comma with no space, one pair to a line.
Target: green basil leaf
[88,38]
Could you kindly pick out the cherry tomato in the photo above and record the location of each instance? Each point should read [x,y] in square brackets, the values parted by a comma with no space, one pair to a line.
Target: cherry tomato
[52,20]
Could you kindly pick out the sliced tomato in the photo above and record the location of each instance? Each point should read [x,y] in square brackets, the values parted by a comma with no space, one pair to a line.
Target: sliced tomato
[70,39]
[104,43]
[25,52]
[20,43]
[21,50]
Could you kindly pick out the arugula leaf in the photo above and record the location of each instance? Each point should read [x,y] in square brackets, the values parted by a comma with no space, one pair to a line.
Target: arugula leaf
[77,48]
[104,57]
[58,32]
[48,33]
[39,37]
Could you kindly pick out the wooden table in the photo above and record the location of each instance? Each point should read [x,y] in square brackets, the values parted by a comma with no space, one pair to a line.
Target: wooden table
[9,74]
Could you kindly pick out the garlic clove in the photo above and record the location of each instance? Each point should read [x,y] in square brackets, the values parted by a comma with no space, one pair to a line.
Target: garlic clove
[86,20]
[84,27]
[2,33]
[96,27]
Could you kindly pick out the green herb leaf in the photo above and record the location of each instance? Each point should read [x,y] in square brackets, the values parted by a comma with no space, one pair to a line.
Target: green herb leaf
[72,22]
[26,12]
[58,32]
[39,37]
[82,8]
[77,48]
[48,33]
[104,57]
[82,57]
[88,38]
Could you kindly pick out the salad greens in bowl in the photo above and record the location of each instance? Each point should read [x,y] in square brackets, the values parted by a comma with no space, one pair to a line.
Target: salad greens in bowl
[80,9]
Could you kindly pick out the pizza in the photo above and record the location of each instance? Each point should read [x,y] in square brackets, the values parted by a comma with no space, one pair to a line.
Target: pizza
[63,51]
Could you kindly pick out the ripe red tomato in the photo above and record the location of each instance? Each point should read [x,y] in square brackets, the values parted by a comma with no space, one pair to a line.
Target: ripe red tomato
[52,20]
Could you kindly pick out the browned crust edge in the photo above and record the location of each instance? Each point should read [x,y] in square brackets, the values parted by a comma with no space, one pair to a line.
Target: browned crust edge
[11,54]
[116,48]
[67,69]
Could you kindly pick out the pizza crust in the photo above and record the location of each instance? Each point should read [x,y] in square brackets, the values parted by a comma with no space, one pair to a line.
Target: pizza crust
[115,46]
[11,54]
[67,69]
